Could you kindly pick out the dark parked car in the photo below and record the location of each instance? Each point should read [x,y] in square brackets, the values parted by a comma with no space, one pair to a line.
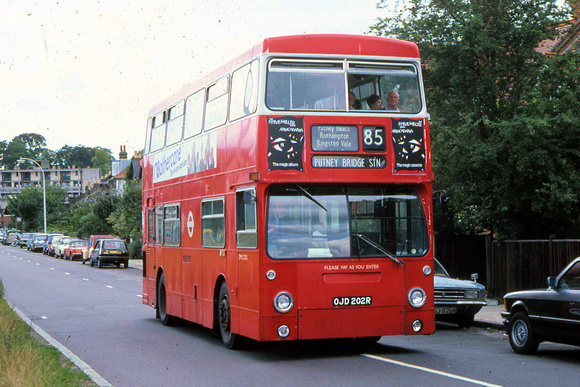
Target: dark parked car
[456,301]
[551,314]
[110,251]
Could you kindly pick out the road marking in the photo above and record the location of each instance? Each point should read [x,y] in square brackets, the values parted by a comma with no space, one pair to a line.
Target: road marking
[66,273]
[140,295]
[52,268]
[425,369]
[95,377]
[109,286]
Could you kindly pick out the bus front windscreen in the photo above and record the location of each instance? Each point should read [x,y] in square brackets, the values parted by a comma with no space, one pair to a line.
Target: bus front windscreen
[307,222]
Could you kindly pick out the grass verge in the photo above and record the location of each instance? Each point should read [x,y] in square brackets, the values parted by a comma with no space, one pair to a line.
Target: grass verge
[26,361]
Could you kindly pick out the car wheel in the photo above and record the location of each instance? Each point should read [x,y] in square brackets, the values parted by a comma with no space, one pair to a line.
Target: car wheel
[521,335]
[83,261]
[99,263]
[91,263]
[166,318]
[465,321]
[126,264]
[229,338]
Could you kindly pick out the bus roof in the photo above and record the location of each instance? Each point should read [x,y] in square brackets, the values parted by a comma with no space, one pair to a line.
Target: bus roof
[338,44]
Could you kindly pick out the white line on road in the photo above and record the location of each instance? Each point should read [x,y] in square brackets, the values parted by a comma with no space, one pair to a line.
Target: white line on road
[109,286]
[425,369]
[95,377]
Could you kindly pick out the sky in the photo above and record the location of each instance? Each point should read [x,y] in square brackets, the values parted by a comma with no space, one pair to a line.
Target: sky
[86,73]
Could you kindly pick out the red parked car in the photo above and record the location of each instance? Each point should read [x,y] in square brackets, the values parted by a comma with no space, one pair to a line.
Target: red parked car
[75,249]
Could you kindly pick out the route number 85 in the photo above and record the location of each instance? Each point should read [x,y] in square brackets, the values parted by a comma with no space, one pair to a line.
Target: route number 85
[374,138]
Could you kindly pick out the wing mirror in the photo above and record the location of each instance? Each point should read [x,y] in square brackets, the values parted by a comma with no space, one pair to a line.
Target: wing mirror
[552,282]
[474,277]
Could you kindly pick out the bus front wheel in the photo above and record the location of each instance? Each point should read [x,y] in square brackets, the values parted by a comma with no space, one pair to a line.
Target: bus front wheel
[229,338]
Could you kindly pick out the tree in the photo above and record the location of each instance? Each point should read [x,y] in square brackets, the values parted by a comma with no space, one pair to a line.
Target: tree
[91,216]
[28,205]
[79,156]
[498,112]
[126,219]
[102,160]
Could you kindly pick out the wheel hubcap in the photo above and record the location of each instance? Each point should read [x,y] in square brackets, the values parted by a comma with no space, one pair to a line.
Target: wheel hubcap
[520,333]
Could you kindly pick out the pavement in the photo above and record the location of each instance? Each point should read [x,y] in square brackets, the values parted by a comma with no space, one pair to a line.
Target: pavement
[488,317]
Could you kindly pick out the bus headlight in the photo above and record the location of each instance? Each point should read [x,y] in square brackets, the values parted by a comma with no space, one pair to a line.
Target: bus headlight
[417,297]
[283,302]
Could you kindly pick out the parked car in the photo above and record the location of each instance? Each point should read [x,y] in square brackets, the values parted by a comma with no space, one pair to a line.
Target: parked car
[7,234]
[75,249]
[110,251]
[457,301]
[46,247]
[551,314]
[53,243]
[92,243]
[24,239]
[13,238]
[37,242]
[60,245]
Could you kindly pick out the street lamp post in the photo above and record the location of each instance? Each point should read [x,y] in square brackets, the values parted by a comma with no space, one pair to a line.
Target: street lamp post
[20,161]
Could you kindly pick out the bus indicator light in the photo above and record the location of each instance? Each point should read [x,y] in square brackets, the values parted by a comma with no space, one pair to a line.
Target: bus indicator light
[255,176]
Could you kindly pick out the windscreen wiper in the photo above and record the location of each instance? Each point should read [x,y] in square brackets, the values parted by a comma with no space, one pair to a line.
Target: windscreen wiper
[380,248]
[309,196]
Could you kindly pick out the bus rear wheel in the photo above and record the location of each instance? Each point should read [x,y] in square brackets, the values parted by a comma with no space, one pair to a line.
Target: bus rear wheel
[229,338]
[166,318]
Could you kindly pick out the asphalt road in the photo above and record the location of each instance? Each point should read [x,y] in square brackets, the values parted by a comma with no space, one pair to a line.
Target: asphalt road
[98,315]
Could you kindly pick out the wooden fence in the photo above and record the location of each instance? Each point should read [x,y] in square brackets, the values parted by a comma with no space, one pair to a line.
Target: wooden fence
[505,266]
[525,264]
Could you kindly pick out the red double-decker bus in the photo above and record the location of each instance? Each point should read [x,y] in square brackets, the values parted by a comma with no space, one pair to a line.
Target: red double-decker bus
[287,195]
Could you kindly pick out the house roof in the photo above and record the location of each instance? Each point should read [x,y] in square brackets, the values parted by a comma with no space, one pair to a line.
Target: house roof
[567,40]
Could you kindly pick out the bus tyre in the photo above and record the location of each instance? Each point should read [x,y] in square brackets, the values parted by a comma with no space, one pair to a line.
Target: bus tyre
[166,318]
[229,338]
[521,335]
[366,341]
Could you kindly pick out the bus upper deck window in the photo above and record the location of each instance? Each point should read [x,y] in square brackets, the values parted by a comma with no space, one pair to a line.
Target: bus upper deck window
[398,81]
[306,85]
